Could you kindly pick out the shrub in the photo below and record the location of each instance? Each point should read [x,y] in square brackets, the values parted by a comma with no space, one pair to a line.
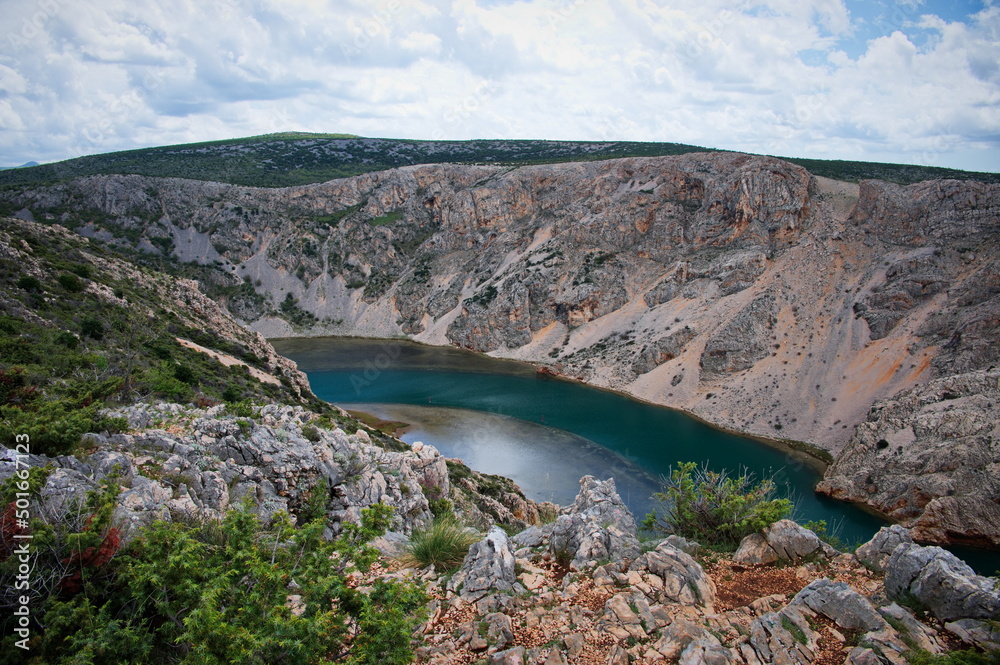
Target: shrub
[317,500]
[54,427]
[441,507]
[963,657]
[242,409]
[714,508]
[184,374]
[311,433]
[67,339]
[443,544]
[29,283]
[70,282]
[163,383]
[91,327]
[190,593]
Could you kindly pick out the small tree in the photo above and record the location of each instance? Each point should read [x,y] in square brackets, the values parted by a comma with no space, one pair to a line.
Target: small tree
[714,508]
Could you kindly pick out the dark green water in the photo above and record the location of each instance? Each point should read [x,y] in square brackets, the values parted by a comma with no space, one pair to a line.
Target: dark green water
[635,442]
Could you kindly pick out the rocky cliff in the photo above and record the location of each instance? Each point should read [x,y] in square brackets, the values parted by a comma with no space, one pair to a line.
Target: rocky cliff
[741,289]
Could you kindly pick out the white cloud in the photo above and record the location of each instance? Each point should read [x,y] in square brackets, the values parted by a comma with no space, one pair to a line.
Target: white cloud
[93,77]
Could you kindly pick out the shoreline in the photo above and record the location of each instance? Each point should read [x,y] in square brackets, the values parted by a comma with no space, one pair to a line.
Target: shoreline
[800,451]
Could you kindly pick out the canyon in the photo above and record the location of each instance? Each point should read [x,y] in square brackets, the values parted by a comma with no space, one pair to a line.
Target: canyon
[855,321]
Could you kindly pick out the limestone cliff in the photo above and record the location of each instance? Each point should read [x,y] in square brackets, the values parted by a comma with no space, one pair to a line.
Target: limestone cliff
[741,289]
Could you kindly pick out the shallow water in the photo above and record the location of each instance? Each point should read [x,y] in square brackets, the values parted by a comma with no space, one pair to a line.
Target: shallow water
[546,462]
[501,417]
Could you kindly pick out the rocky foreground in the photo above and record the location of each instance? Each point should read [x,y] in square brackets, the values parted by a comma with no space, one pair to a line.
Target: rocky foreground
[783,597]
[581,588]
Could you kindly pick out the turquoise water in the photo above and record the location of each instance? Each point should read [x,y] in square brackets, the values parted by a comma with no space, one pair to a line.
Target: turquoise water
[590,428]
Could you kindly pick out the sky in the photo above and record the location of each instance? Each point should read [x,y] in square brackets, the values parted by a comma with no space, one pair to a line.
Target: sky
[908,81]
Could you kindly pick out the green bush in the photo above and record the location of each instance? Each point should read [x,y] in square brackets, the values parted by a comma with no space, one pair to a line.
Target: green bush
[91,327]
[67,339]
[184,374]
[164,384]
[311,433]
[54,427]
[29,283]
[443,544]
[70,282]
[713,508]
[203,594]
[241,409]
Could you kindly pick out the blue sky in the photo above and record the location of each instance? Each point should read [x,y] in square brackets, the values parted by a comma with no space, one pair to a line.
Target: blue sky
[889,80]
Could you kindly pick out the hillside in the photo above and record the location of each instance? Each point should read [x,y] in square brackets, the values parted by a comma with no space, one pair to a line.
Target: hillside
[295,158]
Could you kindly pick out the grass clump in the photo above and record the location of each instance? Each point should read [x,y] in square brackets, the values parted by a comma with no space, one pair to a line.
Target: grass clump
[714,508]
[963,657]
[443,545]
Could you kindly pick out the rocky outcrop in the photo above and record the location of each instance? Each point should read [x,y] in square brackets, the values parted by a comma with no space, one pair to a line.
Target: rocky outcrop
[196,463]
[489,566]
[876,552]
[596,526]
[664,606]
[941,582]
[929,459]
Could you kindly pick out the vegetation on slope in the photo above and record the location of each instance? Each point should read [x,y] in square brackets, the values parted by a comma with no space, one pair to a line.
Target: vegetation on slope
[713,508]
[294,158]
[77,333]
[235,591]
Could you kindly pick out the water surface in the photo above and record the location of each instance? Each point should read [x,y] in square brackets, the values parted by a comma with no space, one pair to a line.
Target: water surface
[501,417]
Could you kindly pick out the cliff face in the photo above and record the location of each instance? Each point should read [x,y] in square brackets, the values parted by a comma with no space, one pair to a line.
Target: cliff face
[741,289]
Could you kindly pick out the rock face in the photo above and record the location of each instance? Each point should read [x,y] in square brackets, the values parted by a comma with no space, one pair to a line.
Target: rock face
[488,566]
[597,526]
[876,552]
[930,459]
[741,289]
[202,462]
[942,582]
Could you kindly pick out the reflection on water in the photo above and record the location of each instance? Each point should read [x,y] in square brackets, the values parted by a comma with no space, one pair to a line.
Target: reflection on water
[611,434]
[547,463]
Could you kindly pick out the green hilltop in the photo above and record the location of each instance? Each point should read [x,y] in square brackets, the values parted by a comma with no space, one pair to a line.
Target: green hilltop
[299,158]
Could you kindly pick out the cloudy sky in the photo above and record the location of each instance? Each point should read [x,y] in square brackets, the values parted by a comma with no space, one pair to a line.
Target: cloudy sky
[913,81]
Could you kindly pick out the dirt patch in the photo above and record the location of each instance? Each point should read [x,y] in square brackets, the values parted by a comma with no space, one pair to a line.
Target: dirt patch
[738,586]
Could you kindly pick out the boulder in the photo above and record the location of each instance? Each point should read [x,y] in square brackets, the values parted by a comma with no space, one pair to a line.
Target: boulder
[513,656]
[674,577]
[783,540]
[942,582]
[683,544]
[791,541]
[876,552]
[977,633]
[841,604]
[597,526]
[754,550]
[489,566]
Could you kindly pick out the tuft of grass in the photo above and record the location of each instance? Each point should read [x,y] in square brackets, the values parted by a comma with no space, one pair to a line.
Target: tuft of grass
[443,544]
[963,657]
[794,629]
